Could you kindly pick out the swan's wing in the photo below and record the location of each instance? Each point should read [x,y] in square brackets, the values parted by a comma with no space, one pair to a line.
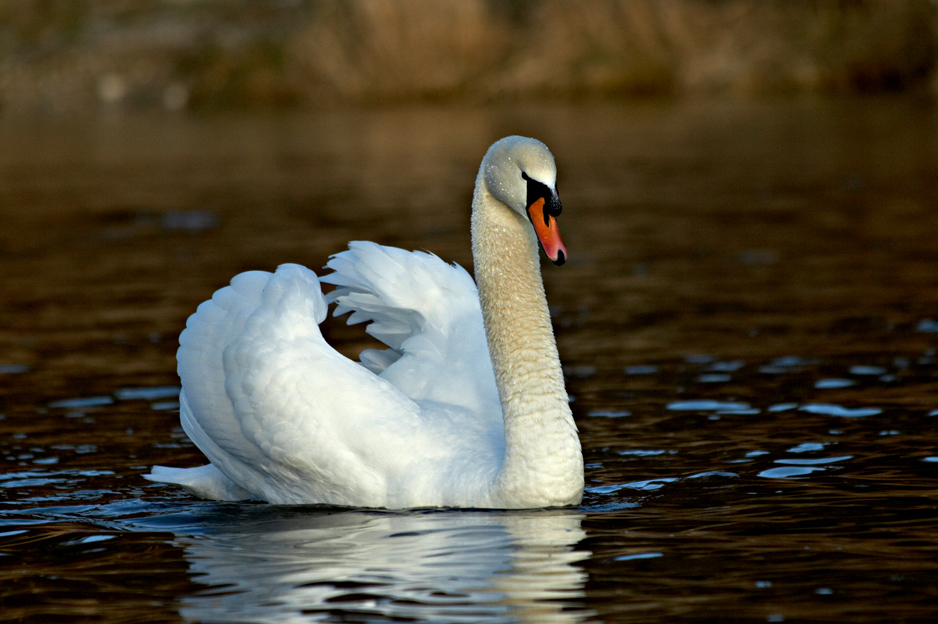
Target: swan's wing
[276,409]
[428,313]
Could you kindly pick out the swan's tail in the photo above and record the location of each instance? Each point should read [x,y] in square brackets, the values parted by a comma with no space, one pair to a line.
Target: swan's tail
[205,482]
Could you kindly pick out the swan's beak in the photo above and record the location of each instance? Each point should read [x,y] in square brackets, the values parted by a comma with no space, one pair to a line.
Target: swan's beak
[544,221]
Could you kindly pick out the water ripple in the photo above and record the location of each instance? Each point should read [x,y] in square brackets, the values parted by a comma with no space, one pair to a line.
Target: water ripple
[813,462]
[829,409]
[85,402]
[609,413]
[148,393]
[807,447]
[788,472]
[706,405]
[867,370]
[828,384]
[638,556]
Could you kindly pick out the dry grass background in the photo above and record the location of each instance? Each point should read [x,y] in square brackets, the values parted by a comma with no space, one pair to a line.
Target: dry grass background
[67,55]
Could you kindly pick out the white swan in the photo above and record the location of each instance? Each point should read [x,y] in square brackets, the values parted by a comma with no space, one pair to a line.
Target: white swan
[467,406]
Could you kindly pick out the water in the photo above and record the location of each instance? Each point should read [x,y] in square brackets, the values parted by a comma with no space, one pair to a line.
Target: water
[748,322]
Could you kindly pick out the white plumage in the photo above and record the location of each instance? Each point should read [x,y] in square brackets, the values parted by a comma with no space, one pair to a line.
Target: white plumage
[285,418]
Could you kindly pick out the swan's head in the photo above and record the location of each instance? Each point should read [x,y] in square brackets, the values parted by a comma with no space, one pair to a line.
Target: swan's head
[520,172]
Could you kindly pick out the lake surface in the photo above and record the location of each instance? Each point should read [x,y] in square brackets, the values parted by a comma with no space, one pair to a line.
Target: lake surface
[748,322]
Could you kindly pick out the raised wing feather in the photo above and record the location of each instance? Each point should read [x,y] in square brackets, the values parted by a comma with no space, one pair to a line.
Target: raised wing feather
[428,313]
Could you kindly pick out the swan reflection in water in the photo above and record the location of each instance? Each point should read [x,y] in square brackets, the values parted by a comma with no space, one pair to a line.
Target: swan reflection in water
[266,564]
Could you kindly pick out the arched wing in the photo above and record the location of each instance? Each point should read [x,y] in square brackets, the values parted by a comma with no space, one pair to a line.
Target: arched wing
[428,313]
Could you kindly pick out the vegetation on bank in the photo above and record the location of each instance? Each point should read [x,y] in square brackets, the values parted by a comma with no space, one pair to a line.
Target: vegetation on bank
[65,55]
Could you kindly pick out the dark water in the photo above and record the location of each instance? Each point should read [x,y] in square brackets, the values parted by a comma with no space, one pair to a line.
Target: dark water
[749,321]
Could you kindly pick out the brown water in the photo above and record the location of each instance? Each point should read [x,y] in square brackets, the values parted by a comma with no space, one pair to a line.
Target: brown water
[748,321]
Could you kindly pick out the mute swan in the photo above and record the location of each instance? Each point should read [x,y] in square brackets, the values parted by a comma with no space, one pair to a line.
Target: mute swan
[466,407]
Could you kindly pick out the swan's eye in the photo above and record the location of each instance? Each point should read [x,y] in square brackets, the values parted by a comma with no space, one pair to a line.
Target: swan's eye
[543,203]
[540,191]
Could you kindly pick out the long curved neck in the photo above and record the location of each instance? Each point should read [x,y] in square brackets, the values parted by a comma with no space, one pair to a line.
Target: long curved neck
[543,463]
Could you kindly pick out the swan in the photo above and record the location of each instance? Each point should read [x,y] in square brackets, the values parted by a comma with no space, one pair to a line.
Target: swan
[465,408]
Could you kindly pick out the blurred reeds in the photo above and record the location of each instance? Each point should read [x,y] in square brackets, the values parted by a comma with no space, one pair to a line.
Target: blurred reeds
[67,55]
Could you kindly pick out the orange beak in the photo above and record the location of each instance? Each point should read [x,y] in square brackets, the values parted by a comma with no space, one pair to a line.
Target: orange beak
[545,226]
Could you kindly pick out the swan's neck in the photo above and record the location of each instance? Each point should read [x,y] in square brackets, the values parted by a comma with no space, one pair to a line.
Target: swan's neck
[543,463]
